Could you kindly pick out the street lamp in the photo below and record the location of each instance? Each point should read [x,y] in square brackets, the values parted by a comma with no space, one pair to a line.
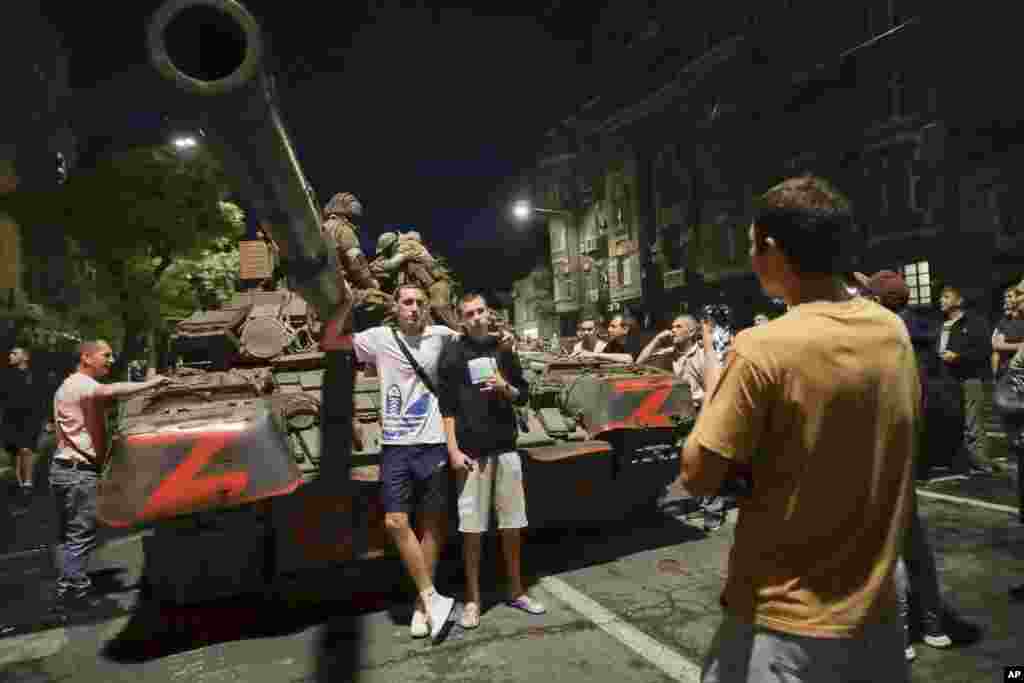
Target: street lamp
[522,210]
[183,142]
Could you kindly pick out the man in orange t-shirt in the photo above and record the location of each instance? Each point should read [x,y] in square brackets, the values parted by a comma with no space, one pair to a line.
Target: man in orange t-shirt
[818,412]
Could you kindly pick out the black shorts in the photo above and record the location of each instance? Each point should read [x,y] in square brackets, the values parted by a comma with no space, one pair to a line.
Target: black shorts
[414,476]
[20,434]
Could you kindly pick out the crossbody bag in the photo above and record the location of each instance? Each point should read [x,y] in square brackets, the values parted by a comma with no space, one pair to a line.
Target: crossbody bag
[420,372]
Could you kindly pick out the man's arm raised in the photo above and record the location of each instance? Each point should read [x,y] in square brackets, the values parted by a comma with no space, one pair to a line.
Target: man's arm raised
[122,389]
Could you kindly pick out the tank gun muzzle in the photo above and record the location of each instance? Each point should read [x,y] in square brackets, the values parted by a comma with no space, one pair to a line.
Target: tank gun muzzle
[238,105]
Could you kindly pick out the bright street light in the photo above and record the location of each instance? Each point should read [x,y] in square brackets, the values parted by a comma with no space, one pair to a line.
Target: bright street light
[522,210]
[185,142]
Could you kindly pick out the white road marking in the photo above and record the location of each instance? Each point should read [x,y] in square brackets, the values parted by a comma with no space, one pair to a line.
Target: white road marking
[671,663]
[968,501]
[32,646]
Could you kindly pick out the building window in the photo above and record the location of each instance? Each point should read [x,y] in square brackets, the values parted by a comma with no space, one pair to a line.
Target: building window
[897,95]
[558,289]
[918,280]
[626,270]
[570,289]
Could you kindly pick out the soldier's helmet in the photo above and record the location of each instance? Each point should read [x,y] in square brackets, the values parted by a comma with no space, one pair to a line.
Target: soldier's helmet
[340,204]
[386,240]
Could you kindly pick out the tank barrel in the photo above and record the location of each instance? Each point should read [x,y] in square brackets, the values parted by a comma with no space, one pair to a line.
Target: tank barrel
[238,106]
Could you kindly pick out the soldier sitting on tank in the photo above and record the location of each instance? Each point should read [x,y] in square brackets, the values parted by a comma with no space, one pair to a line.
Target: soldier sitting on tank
[371,304]
[404,258]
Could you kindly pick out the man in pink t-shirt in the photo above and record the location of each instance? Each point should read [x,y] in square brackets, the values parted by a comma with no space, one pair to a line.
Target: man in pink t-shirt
[79,418]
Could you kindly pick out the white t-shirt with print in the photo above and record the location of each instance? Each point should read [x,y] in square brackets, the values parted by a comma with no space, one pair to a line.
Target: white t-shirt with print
[410,412]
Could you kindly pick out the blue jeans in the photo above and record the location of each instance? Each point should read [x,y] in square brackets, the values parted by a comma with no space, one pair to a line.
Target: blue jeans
[74,491]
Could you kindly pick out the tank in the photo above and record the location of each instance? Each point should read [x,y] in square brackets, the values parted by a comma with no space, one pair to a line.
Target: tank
[600,440]
[238,422]
[262,458]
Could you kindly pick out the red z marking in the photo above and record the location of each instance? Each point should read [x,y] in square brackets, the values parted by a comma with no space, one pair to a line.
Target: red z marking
[182,492]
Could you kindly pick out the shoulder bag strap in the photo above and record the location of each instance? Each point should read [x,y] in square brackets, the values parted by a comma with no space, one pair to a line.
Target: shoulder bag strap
[412,361]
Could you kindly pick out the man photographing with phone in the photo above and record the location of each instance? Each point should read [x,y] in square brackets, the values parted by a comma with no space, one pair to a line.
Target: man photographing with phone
[481,382]
[822,408]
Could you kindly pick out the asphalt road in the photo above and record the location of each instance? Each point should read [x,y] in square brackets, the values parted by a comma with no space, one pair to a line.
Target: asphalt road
[635,602]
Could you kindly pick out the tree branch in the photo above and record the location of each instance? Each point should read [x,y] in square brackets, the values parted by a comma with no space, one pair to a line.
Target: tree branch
[165,263]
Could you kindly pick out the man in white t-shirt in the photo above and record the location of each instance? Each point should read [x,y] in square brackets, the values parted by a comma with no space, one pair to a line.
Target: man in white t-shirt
[414,458]
[79,418]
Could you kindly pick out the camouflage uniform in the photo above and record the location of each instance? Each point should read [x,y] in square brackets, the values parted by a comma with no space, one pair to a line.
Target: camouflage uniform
[404,258]
[370,301]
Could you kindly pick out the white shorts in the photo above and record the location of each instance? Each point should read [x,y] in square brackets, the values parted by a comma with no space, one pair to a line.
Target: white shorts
[496,481]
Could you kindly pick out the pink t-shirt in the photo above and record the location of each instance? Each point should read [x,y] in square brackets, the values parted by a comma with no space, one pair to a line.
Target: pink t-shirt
[79,415]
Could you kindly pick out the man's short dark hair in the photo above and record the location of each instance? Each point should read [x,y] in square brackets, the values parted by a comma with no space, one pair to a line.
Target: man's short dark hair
[471,296]
[953,287]
[588,319]
[89,347]
[628,321]
[409,285]
[811,221]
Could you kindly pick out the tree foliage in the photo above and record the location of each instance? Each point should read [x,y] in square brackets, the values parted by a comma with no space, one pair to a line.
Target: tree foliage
[145,219]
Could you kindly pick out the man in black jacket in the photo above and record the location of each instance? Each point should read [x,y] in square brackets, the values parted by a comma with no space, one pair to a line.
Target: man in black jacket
[481,382]
[24,404]
[965,346]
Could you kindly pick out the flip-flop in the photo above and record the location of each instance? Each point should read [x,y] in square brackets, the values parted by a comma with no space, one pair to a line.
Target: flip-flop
[470,616]
[527,604]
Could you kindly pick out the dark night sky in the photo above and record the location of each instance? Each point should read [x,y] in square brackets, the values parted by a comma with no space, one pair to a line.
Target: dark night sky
[421,112]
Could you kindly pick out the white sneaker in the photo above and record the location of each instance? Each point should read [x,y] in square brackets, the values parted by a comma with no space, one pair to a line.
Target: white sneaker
[440,609]
[910,653]
[419,628]
[939,640]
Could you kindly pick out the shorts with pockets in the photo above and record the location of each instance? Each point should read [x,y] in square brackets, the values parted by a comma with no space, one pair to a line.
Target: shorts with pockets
[495,482]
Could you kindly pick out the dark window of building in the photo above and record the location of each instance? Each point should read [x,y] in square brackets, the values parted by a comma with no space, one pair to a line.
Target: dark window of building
[897,92]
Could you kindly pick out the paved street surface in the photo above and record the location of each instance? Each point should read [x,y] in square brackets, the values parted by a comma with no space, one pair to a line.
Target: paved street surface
[635,602]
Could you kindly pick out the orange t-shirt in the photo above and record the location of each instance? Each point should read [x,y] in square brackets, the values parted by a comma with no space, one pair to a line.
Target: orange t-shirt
[823,405]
